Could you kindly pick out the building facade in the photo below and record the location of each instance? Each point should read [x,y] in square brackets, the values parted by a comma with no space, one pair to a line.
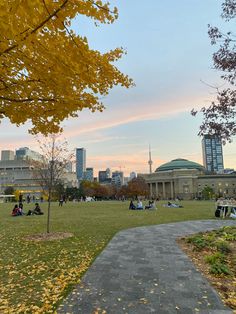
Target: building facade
[223,185]
[212,153]
[117,178]
[7,155]
[20,175]
[102,176]
[89,174]
[24,153]
[185,179]
[132,175]
[69,180]
[69,166]
[80,163]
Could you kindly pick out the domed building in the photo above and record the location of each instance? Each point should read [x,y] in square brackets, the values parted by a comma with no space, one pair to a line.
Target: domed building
[186,179]
[180,163]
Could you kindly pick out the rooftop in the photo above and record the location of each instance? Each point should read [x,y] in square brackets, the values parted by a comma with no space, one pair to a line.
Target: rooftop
[180,163]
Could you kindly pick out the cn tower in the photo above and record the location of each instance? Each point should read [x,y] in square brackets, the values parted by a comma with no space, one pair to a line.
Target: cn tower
[150,160]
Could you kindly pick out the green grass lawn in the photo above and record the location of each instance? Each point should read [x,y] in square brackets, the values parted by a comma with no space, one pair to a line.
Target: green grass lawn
[35,276]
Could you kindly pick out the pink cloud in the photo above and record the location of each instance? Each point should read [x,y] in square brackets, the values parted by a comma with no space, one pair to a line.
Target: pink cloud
[126,114]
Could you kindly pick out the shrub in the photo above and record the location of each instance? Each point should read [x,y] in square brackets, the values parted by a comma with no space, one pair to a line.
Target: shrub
[230,236]
[198,241]
[222,246]
[217,262]
[219,269]
[215,258]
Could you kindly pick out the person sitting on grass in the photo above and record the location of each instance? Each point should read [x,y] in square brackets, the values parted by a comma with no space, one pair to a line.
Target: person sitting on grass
[151,205]
[139,205]
[131,205]
[233,213]
[37,210]
[15,211]
[21,209]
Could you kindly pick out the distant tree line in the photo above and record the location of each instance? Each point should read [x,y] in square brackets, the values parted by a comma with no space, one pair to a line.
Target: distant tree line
[136,187]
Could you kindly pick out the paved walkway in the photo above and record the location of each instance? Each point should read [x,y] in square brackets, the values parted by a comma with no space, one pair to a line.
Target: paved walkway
[142,271]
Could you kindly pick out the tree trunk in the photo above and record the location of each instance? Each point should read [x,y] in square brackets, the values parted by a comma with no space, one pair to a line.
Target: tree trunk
[49,210]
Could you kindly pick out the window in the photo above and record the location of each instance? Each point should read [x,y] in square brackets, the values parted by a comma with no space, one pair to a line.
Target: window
[186,189]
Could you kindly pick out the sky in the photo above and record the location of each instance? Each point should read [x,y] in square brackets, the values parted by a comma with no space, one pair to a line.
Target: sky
[169,57]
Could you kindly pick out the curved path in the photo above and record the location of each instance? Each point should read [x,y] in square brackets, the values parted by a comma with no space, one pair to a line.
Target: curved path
[142,271]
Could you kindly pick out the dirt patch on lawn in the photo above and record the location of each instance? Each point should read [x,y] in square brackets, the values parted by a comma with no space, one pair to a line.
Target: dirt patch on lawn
[225,285]
[52,236]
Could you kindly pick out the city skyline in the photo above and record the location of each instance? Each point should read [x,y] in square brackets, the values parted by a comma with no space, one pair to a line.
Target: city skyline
[170,60]
[81,169]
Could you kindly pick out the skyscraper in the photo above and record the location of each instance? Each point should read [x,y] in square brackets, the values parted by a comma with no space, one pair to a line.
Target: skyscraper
[108,173]
[212,153]
[89,174]
[102,176]
[80,163]
[118,178]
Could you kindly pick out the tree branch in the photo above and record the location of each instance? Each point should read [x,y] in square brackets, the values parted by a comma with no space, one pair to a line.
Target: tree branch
[100,7]
[27,99]
[36,28]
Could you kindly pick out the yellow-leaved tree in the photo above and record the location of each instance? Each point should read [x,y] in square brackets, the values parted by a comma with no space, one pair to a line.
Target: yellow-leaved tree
[48,72]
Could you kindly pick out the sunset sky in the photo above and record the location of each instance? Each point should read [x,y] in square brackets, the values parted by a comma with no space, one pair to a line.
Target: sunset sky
[169,56]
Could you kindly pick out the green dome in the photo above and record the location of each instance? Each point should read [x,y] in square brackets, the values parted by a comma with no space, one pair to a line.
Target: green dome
[180,164]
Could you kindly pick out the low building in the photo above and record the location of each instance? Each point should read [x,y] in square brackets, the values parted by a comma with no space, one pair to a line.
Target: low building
[223,185]
[20,175]
[187,179]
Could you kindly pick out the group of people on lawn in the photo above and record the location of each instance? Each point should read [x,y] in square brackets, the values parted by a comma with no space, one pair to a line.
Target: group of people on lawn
[18,210]
[225,208]
[139,206]
[151,205]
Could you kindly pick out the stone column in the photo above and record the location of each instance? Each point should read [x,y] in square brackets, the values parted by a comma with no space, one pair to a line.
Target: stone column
[164,189]
[171,189]
[150,189]
[156,189]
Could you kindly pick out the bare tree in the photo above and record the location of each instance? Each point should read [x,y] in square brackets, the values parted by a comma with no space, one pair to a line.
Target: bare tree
[50,169]
[219,118]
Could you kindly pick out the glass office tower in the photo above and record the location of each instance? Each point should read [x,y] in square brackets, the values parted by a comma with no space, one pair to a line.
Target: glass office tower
[80,163]
[212,154]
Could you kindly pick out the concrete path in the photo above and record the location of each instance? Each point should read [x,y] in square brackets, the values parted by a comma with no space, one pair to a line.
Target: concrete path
[142,271]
